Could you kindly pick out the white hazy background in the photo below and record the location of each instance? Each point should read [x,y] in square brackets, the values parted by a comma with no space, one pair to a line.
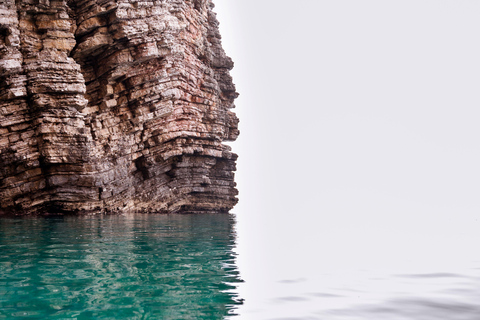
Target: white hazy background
[359,146]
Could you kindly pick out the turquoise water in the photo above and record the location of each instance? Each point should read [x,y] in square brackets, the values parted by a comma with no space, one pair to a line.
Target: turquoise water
[186,267]
[118,267]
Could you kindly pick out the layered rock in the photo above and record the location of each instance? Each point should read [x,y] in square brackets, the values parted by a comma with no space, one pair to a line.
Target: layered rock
[114,105]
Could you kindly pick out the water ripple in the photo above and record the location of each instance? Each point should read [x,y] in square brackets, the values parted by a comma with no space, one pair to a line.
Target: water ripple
[431,275]
[106,267]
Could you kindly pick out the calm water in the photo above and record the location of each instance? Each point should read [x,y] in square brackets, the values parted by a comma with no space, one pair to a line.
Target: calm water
[118,267]
[215,267]
[341,266]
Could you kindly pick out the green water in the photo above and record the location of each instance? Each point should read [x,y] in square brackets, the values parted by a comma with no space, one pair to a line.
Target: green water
[118,267]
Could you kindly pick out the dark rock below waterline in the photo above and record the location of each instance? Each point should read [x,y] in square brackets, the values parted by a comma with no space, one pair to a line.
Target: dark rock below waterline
[114,106]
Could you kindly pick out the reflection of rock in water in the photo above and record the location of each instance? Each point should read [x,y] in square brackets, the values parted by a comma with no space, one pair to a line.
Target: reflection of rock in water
[139,266]
[116,106]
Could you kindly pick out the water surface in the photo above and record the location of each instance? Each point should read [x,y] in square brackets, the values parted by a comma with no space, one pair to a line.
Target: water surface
[365,267]
[187,267]
[118,267]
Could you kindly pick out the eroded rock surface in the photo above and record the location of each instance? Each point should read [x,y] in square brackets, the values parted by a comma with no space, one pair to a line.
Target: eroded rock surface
[114,105]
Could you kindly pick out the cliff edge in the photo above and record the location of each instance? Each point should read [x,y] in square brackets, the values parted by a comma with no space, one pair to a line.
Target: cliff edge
[114,106]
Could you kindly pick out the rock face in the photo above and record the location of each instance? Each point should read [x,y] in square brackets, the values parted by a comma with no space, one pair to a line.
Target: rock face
[114,105]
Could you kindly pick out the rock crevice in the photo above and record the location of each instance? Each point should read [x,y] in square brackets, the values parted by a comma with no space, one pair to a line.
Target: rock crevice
[114,105]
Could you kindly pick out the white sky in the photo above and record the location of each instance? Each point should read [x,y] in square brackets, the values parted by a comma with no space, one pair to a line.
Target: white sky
[377,98]
[354,115]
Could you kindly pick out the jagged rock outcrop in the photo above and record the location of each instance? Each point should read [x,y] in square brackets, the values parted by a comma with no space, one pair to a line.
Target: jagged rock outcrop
[114,105]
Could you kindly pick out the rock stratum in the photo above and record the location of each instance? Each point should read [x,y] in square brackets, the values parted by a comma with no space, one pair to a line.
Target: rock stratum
[114,106]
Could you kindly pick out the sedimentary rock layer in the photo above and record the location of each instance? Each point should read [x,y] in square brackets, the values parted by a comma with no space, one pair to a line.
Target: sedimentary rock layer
[114,105]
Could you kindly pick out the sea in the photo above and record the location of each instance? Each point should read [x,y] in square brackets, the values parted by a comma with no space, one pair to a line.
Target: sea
[227,266]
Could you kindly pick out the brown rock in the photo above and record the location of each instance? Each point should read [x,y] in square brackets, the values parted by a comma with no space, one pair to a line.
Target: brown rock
[114,106]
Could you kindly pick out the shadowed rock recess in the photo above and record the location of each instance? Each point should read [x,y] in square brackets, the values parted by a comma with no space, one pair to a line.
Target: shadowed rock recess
[114,106]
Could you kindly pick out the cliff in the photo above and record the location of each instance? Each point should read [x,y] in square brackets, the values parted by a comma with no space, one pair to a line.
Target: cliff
[114,106]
